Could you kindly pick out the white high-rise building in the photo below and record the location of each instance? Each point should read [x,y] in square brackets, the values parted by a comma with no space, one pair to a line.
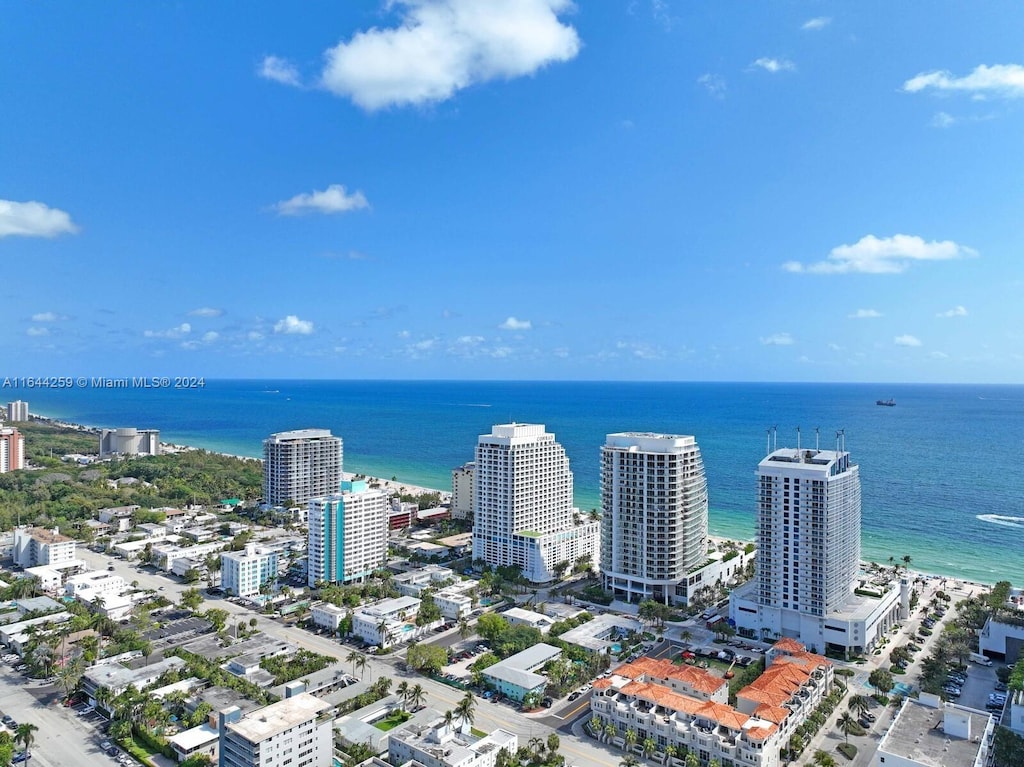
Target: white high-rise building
[17,411]
[808,556]
[348,534]
[522,512]
[301,464]
[462,491]
[242,573]
[129,441]
[654,500]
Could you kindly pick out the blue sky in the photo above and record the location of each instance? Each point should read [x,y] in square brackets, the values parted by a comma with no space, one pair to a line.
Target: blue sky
[513,189]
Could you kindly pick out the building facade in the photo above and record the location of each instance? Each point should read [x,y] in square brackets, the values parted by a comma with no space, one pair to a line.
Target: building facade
[462,490]
[35,546]
[654,500]
[129,441]
[12,450]
[243,573]
[388,622]
[294,732]
[17,411]
[300,465]
[348,534]
[807,581]
[441,744]
[522,510]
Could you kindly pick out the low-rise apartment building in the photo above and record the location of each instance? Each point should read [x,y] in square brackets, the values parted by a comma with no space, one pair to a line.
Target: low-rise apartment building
[438,744]
[243,573]
[294,732]
[388,622]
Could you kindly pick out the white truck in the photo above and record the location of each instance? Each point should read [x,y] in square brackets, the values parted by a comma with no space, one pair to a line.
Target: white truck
[981,660]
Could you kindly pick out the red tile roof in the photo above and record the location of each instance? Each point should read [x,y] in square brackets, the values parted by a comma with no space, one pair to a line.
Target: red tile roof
[663,669]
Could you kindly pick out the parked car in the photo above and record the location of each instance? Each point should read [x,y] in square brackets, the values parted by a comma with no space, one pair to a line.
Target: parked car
[574,695]
[1001,687]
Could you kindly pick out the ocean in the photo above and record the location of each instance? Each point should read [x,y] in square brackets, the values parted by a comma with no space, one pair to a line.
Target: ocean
[940,472]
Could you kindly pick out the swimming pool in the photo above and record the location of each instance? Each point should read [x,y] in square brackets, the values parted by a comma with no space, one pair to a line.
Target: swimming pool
[616,648]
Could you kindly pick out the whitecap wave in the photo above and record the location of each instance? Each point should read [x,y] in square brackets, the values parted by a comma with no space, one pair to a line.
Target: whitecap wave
[1002,519]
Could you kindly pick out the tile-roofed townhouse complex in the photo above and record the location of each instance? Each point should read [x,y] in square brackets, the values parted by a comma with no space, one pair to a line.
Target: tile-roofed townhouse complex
[687,707]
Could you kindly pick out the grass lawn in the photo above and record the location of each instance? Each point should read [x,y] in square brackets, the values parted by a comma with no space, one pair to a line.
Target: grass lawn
[392,720]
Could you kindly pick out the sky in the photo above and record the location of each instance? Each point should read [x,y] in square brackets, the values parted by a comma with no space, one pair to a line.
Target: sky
[513,189]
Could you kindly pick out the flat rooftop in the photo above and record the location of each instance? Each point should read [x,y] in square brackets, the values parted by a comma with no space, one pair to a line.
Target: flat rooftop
[299,434]
[278,717]
[917,734]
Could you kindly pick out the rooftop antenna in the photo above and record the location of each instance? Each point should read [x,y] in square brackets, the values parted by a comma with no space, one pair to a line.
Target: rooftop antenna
[817,448]
[841,440]
[775,435]
[769,445]
[797,437]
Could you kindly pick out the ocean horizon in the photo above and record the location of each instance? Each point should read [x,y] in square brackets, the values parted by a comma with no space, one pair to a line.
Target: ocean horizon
[938,470]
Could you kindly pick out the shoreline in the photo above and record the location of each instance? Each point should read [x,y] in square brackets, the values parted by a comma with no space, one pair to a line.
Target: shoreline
[408,488]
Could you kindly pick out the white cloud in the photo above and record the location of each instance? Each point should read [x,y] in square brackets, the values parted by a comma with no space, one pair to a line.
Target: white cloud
[33,219]
[865,314]
[206,311]
[425,345]
[176,332]
[292,325]
[513,324]
[279,70]
[333,199]
[777,339]
[942,120]
[36,332]
[210,336]
[815,24]
[774,65]
[835,347]
[1005,80]
[938,355]
[440,47]
[254,335]
[956,311]
[883,255]
[48,317]
[470,340]
[404,334]
[906,340]
[714,84]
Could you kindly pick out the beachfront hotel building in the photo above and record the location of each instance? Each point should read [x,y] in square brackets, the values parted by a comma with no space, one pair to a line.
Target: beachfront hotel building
[12,450]
[522,504]
[348,534]
[243,573]
[654,502]
[17,411]
[129,441]
[301,464]
[462,490]
[808,584]
[294,732]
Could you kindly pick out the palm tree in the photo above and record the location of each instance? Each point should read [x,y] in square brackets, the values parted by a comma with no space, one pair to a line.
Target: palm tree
[846,723]
[595,724]
[859,704]
[449,718]
[352,658]
[670,753]
[610,731]
[464,628]
[906,561]
[361,663]
[417,696]
[824,758]
[465,709]
[24,734]
[629,761]
[649,747]
[691,760]
[402,691]
[536,745]
[630,738]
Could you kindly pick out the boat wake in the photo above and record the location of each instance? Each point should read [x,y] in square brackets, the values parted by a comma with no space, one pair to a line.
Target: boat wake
[473,404]
[1002,519]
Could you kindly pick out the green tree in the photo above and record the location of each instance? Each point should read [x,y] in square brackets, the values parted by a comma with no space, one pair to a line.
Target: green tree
[465,709]
[881,680]
[670,753]
[630,737]
[847,724]
[25,734]
[629,761]
[859,704]
[217,617]
[402,691]
[417,697]
[465,630]
[191,599]
[824,759]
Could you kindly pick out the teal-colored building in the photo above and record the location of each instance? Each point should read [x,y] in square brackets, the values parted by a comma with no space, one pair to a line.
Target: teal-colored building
[347,534]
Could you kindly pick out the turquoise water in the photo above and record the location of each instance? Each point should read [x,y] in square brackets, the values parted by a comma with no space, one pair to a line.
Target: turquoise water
[616,648]
[939,472]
